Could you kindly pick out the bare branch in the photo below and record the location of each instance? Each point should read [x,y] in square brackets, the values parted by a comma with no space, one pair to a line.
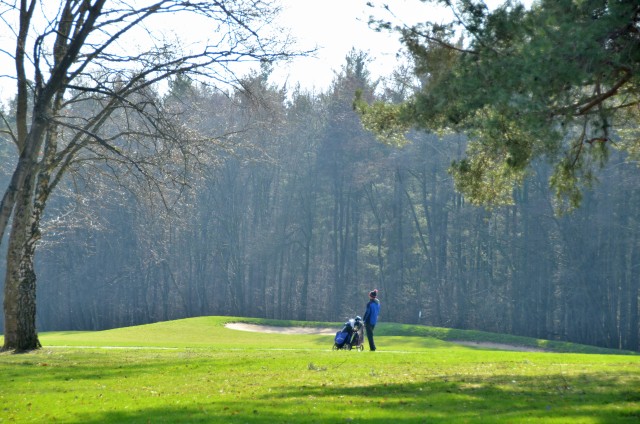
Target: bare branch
[8,130]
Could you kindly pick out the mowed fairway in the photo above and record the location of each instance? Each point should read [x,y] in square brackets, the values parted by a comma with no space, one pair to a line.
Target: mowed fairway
[198,371]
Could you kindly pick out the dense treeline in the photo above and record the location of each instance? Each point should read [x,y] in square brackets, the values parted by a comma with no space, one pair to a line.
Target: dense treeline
[298,212]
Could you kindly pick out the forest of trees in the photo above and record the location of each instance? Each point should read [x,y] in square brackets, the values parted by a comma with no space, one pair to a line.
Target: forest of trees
[299,212]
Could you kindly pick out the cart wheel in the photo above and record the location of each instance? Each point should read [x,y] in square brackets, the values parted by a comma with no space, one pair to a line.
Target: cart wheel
[335,347]
[348,347]
[361,348]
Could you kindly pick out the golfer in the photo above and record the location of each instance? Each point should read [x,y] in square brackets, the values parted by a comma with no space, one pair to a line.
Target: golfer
[371,317]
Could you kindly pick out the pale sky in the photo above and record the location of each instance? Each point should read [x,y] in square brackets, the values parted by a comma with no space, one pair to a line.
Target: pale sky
[333,26]
[336,26]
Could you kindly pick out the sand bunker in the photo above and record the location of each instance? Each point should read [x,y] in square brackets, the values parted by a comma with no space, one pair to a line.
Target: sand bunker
[499,346]
[280,330]
[329,331]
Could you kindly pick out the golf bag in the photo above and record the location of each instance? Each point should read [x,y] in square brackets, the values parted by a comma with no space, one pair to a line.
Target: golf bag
[350,336]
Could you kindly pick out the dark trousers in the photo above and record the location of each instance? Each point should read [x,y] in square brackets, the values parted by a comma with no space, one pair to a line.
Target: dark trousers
[369,328]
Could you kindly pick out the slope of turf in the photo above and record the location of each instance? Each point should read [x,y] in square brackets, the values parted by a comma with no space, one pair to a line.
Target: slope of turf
[209,332]
[197,371]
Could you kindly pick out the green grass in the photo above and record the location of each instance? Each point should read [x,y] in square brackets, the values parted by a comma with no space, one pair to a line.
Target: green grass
[197,371]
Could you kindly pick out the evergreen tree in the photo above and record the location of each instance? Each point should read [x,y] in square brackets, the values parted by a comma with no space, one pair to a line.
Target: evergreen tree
[559,81]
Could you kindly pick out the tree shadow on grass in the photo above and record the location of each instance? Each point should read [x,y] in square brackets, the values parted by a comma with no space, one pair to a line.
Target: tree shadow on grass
[293,394]
[503,399]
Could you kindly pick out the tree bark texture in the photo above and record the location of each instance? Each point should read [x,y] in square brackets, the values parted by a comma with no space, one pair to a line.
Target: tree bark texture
[20,333]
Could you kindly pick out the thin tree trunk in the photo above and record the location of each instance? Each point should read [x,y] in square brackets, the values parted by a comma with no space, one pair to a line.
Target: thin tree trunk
[303,313]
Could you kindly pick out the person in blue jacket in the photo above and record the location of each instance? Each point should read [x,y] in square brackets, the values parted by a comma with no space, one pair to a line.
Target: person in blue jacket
[371,317]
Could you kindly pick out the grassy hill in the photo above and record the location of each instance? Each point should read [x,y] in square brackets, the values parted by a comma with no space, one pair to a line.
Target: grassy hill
[209,332]
[196,370]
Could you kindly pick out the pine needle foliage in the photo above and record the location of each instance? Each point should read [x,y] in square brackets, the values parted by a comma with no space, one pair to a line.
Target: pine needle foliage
[558,81]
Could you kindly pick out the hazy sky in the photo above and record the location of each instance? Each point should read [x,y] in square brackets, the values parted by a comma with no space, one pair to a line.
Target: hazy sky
[333,26]
[336,26]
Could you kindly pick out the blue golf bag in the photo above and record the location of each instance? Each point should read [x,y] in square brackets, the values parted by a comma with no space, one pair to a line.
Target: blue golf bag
[350,336]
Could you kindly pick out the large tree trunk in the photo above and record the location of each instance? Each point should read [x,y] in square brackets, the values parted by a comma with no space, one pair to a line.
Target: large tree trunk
[20,283]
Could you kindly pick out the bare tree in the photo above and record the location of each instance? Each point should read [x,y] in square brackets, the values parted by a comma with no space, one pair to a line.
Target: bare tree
[86,74]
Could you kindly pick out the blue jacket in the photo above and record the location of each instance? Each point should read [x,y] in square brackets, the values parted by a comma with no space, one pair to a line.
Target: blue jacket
[372,312]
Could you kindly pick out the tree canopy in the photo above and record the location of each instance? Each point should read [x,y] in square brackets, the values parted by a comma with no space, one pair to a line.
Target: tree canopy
[557,82]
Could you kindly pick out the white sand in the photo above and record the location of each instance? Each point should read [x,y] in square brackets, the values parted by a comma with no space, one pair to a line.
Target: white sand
[328,331]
